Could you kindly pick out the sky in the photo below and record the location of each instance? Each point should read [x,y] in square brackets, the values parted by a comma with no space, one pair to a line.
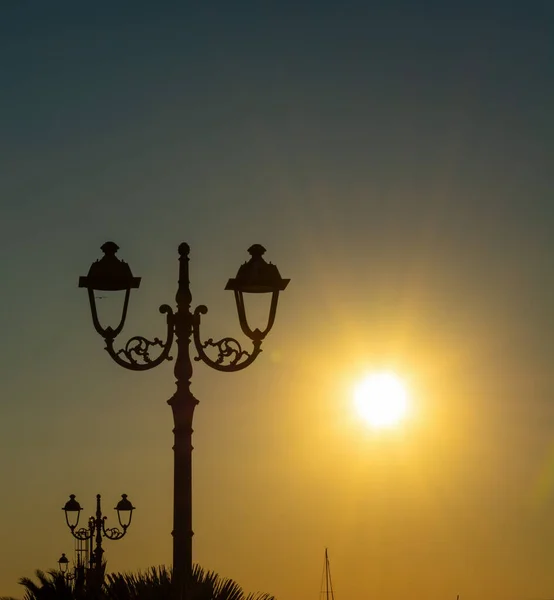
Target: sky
[395,159]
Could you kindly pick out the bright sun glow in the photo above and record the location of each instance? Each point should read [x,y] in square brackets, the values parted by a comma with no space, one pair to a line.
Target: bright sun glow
[381,399]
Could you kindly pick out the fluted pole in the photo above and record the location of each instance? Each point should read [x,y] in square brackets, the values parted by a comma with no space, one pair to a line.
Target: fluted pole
[182,404]
[98,551]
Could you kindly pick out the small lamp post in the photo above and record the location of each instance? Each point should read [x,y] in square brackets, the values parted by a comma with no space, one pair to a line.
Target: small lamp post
[77,574]
[63,563]
[256,276]
[96,528]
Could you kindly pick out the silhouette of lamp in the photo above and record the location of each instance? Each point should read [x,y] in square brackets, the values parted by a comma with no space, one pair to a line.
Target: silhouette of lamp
[63,562]
[256,276]
[72,511]
[109,274]
[124,507]
[96,529]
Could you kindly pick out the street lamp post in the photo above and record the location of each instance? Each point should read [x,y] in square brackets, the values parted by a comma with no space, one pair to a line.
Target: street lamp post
[63,563]
[255,276]
[96,528]
[77,574]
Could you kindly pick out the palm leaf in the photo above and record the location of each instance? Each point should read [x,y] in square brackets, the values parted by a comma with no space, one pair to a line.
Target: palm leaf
[152,584]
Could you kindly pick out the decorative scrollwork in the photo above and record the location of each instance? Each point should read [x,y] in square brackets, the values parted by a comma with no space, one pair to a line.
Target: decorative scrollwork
[83,533]
[113,533]
[230,355]
[137,350]
[135,355]
[229,351]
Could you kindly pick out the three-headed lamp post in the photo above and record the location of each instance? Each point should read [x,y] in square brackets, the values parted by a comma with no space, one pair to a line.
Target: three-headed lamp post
[256,276]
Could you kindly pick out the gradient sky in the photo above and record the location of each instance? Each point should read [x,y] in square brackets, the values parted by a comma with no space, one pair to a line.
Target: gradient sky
[395,158]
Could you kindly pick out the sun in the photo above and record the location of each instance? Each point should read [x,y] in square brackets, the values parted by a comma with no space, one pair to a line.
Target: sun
[381,399]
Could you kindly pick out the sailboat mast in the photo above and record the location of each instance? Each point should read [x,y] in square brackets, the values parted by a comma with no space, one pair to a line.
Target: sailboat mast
[326,575]
[329,595]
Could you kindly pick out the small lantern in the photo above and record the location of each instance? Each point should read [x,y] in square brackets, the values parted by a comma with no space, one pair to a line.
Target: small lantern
[64,564]
[73,508]
[112,275]
[257,277]
[124,509]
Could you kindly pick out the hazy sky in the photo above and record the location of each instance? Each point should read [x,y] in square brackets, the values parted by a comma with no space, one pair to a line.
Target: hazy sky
[395,158]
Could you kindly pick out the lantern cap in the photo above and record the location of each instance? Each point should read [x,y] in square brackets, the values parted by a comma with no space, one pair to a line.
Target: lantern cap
[63,560]
[72,505]
[124,504]
[109,273]
[257,276]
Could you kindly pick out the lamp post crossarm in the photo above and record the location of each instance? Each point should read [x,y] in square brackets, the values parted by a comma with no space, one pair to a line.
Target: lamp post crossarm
[135,355]
[230,355]
[83,533]
[112,533]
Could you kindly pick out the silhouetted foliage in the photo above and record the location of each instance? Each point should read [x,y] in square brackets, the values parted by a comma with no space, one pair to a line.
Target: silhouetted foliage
[50,585]
[153,584]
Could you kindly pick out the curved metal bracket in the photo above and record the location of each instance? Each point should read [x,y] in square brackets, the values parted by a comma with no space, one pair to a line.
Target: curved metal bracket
[112,533]
[230,355]
[136,353]
[84,533]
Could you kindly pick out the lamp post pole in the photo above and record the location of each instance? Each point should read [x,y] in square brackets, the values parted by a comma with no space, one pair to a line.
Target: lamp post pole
[255,276]
[182,405]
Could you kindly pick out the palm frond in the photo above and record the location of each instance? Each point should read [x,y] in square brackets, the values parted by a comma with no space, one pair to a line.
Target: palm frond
[151,584]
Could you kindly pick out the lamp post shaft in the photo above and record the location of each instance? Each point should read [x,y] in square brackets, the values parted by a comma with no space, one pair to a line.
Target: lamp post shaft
[98,551]
[182,404]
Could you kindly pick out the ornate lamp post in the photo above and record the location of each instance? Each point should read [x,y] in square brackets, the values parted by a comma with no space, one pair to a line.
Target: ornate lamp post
[96,528]
[256,277]
[78,571]
[63,563]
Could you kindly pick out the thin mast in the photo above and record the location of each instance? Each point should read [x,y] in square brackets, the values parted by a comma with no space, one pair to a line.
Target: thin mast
[328,582]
